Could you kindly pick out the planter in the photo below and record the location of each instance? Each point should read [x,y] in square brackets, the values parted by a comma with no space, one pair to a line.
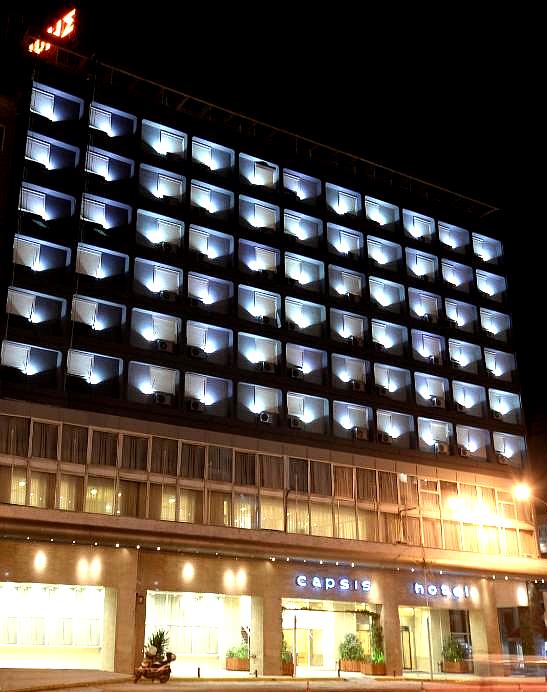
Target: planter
[373,668]
[287,668]
[457,667]
[237,664]
[348,666]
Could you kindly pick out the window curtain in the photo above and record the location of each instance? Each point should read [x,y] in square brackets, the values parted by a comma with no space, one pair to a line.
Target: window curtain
[489,540]
[470,538]
[271,472]
[298,519]
[452,535]
[74,444]
[18,486]
[42,490]
[71,492]
[168,502]
[367,522]
[343,481]
[387,483]
[245,511]
[391,527]
[131,499]
[321,519]
[44,440]
[135,452]
[366,485]
[192,461]
[14,435]
[321,479]
[510,543]
[191,506]
[410,528]
[344,521]
[528,545]
[298,475]
[272,515]
[245,468]
[164,456]
[409,491]
[432,533]
[99,498]
[220,464]
[104,449]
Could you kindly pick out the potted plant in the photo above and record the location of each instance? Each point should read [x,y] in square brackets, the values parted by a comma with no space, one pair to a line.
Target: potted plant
[237,657]
[351,654]
[453,653]
[159,640]
[376,665]
[287,663]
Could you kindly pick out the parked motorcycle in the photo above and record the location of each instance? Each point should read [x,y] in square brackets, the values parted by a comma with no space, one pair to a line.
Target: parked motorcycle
[153,669]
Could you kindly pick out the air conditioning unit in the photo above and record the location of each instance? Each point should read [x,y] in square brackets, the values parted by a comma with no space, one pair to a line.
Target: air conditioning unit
[356,340]
[502,459]
[434,359]
[454,363]
[427,317]
[168,295]
[295,373]
[451,323]
[169,248]
[195,302]
[359,433]
[266,319]
[292,281]
[378,345]
[380,390]
[458,406]
[265,417]
[162,398]
[436,401]
[497,414]
[384,437]
[196,352]
[266,366]
[196,405]
[354,254]
[353,297]
[357,385]
[295,423]
[441,448]
[490,372]
[463,451]
[291,325]
[163,345]
[268,273]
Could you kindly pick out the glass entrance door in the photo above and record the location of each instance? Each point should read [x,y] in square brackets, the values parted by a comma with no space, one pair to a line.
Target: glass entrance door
[406,647]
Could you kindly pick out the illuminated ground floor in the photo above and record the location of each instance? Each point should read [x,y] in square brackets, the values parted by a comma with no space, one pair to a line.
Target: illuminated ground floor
[86,606]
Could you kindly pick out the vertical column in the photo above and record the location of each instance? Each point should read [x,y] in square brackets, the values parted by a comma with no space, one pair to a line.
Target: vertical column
[257,635]
[392,631]
[109,628]
[125,611]
[485,632]
[271,628]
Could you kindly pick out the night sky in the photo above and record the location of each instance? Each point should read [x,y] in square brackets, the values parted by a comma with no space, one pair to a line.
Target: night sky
[454,104]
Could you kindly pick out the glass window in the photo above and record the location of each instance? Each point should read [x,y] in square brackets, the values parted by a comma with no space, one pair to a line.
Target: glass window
[131,499]
[272,515]
[432,533]
[44,440]
[104,449]
[298,475]
[344,521]
[163,502]
[220,464]
[18,492]
[99,498]
[135,452]
[387,483]
[42,490]
[71,493]
[164,456]
[367,522]
[298,519]
[220,509]
[343,481]
[391,527]
[245,511]
[271,471]
[320,478]
[192,461]
[452,535]
[245,468]
[74,444]
[191,506]
[14,435]
[321,519]
[366,485]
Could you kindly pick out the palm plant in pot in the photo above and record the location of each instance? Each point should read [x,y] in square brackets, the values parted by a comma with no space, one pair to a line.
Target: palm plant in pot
[377,663]
[351,653]
[237,657]
[454,653]
[287,663]
[158,640]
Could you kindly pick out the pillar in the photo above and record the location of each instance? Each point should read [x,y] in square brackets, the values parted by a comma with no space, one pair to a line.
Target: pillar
[485,632]
[392,634]
[271,629]
[125,611]
[257,635]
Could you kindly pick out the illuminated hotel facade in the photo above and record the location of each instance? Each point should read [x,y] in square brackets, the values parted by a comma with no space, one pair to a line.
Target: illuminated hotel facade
[251,389]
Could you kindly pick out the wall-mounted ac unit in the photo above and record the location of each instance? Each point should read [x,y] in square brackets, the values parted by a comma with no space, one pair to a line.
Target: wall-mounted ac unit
[196,405]
[497,414]
[427,317]
[195,302]
[359,433]
[168,295]
[163,345]
[455,363]
[196,352]
[162,398]
[292,281]
[357,385]
[296,373]
[265,319]
[292,325]
[169,248]
[265,417]
[295,423]
[380,390]
[463,451]
[502,459]
[434,359]
[441,448]
[436,401]
[458,406]
[379,346]
[266,366]
[356,340]
[384,437]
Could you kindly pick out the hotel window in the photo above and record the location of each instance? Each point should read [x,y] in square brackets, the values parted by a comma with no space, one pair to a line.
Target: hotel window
[432,533]
[463,355]
[428,347]
[387,485]
[491,285]
[298,516]
[42,102]
[343,482]
[420,265]
[384,253]
[134,453]
[386,294]
[343,201]
[498,364]
[71,493]
[390,527]
[457,275]
[408,491]
[382,213]
[272,513]
[298,475]
[104,448]
[44,440]
[191,506]
[367,524]
[430,390]
[417,226]
[424,306]
[214,156]
[304,228]
[111,121]
[33,202]
[258,214]
[107,165]
[159,230]
[245,468]
[272,471]
[100,119]
[258,172]
[455,238]
[321,519]
[472,442]
[495,324]
[18,492]
[220,508]
[320,478]
[162,502]
[192,463]
[487,249]
[74,444]
[164,140]
[38,150]
[99,497]
[452,535]
[42,490]
[266,259]
[210,198]
[344,521]
[304,187]
[94,211]
[245,509]
[344,240]
[366,485]
[220,464]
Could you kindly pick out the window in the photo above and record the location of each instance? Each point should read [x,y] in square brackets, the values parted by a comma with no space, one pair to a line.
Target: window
[220,464]
[245,472]
[366,485]
[343,482]
[298,475]
[71,493]
[43,103]
[33,201]
[295,405]
[104,448]
[265,259]
[220,509]
[74,444]
[93,211]
[272,514]
[320,478]
[164,456]
[131,499]
[387,484]
[135,452]
[245,511]
[36,150]
[44,440]
[99,497]
[26,252]
[100,119]
[14,435]
[97,163]
[88,262]
[80,364]
[16,356]
[271,471]
[191,506]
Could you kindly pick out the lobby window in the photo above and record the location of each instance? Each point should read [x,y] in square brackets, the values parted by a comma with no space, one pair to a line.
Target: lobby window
[162,280]
[135,452]
[256,305]
[386,295]
[109,166]
[346,284]
[304,272]
[162,502]
[210,246]
[257,172]
[464,356]
[457,276]
[424,306]
[258,404]
[158,230]
[421,265]
[191,506]
[111,121]
[347,327]
[469,398]
[160,184]
[164,456]
[220,508]
[18,486]
[211,199]
[396,429]
[487,249]
[39,255]
[93,368]
[205,394]
[303,187]
[427,347]
[245,468]
[349,373]
[71,493]
[97,315]
[388,337]
[462,316]
[74,444]
[164,140]
[302,229]
[434,436]
[105,212]
[305,363]
[29,360]
[491,285]
[50,153]
[55,105]
[472,442]
[98,263]
[131,499]
[381,213]
[36,308]
[154,330]
[505,406]
[208,342]
[272,512]
[430,390]
[345,241]
[304,317]
[391,382]
[499,364]
[321,519]
[495,324]
[309,413]
[99,496]
[383,253]
[418,226]
[245,511]
[257,214]
[351,421]
[152,384]
[14,435]
[45,438]
[212,156]
[47,204]
[343,201]
[42,490]
[258,258]
[454,237]
[210,293]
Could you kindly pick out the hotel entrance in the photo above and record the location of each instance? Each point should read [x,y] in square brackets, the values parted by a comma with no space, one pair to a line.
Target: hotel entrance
[314,630]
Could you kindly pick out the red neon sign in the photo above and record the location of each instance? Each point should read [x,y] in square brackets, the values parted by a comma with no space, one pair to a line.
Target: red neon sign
[62,28]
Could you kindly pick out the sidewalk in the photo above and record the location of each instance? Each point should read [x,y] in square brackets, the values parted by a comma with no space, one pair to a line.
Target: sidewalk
[28,680]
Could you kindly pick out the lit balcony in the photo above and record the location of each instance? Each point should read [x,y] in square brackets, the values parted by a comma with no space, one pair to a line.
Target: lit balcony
[110,121]
[256,305]
[395,429]
[389,338]
[454,237]
[39,255]
[152,384]
[212,156]
[162,185]
[346,284]
[418,226]
[464,356]
[209,342]
[108,166]
[163,140]
[505,406]
[509,449]
[304,317]
[499,364]
[342,201]
[210,293]
[457,276]
[430,390]
[461,316]
[155,279]
[159,231]
[351,421]
[304,272]
[48,205]
[50,153]
[424,306]
[303,187]
[386,295]
[97,316]
[211,201]
[210,246]
[35,308]
[29,360]
[421,265]
[491,285]
[258,404]
[384,254]
[348,328]
[105,213]
[99,263]
[427,348]
[307,413]
[434,436]
[257,172]
[55,105]
[302,229]
[472,442]
[382,213]
[307,364]
[155,331]
[258,258]
[205,394]
[469,398]
[94,372]
[496,325]
[487,249]
[345,241]
[258,353]
[258,215]
[349,373]
[391,382]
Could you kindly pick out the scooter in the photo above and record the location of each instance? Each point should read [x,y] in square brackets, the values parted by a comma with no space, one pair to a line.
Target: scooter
[153,669]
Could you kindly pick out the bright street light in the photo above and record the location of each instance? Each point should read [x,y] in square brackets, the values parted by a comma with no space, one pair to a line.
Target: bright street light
[522,492]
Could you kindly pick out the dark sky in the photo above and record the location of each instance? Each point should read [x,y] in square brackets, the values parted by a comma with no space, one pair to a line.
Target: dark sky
[450,98]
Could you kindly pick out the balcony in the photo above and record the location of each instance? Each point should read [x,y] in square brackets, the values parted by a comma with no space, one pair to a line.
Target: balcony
[509,450]
[382,213]
[418,226]
[392,383]
[304,317]
[453,237]
[473,443]
[209,293]
[496,325]
[346,285]
[105,213]
[351,421]
[54,105]
[505,406]
[33,308]
[435,436]
[431,391]
[457,276]
[461,316]
[348,328]
[307,413]
[258,215]
[44,204]
[424,306]
[207,395]
[464,356]
[343,202]
[304,273]
[491,285]
[213,157]
[394,429]
[499,364]
[210,201]
[163,140]
[349,373]
[210,246]
[306,364]
[98,317]
[158,231]
[301,229]
[110,121]
[384,254]
[345,241]
[261,307]
[93,373]
[257,172]
[420,265]
[159,184]
[427,348]
[39,255]
[389,338]
[207,342]
[469,399]
[305,188]
[486,249]
[254,257]
[258,353]
[387,295]
[51,154]
[155,331]
[100,264]
[28,364]
[152,384]
[260,405]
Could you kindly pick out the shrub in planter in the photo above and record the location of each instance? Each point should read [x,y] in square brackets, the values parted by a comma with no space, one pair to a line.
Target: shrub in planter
[159,640]
[375,663]
[237,657]
[287,664]
[351,653]
[453,653]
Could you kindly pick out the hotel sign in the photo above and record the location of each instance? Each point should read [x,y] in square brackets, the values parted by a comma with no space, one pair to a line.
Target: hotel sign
[457,591]
[333,583]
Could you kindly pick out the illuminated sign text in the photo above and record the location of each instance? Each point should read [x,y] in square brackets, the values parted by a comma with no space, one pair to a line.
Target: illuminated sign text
[458,591]
[334,583]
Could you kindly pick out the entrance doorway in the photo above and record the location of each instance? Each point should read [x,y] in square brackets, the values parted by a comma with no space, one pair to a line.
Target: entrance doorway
[406,647]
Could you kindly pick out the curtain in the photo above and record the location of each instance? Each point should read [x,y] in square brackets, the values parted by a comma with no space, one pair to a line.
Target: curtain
[135,452]
[245,511]
[391,527]
[449,491]
[74,444]
[220,509]
[272,514]
[71,491]
[367,522]
[131,499]
[220,464]
[321,478]
[191,506]
[387,483]
[271,471]
[298,520]
[470,538]
[245,469]
[343,481]
[104,449]
[321,519]
[489,499]
[14,435]
[99,498]
[366,485]
[42,490]
[344,521]
[5,483]
[412,534]
[164,456]
[18,485]
[527,542]
[409,491]
[489,540]
[432,533]
[44,440]
[193,461]
[168,503]
[510,542]
[298,475]
[452,535]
